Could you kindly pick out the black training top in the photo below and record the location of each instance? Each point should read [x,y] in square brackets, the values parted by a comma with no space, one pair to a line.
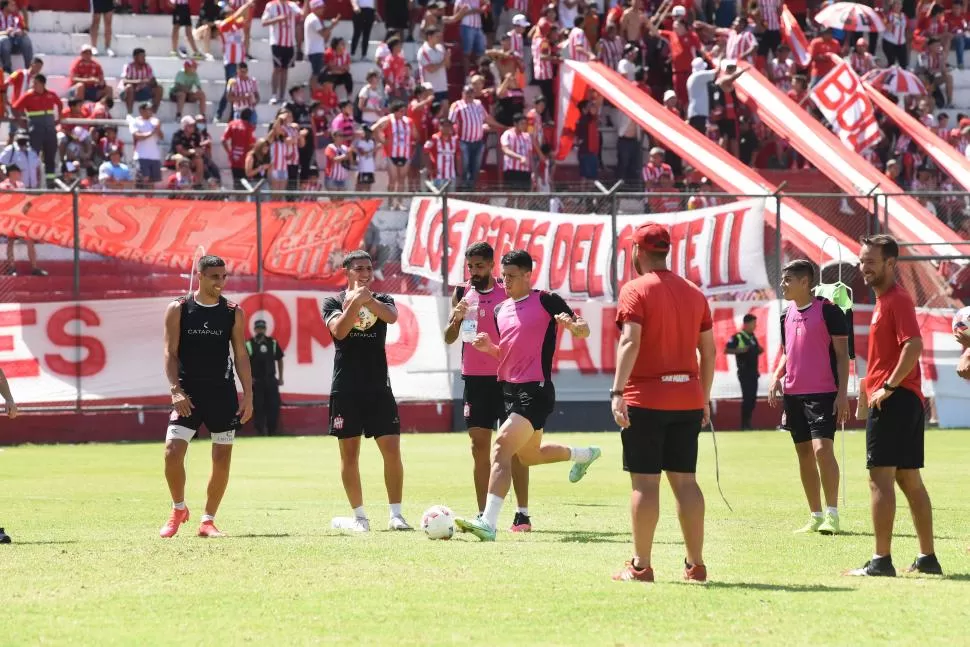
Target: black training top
[360,358]
[205,334]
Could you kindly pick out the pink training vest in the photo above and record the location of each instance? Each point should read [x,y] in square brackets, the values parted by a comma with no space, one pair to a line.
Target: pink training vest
[807,344]
[475,362]
[523,328]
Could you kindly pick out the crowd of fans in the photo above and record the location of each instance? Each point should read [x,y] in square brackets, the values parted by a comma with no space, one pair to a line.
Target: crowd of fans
[439,116]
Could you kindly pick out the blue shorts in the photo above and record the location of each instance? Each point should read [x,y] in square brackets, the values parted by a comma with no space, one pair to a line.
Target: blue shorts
[151,170]
[589,166]
[90,93]
[145,94]
[472,40]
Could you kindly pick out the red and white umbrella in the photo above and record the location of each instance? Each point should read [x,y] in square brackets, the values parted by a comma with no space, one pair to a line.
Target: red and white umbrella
[895,80]
[851,17]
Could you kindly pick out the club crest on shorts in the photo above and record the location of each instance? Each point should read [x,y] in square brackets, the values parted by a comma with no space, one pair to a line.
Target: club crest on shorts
[338,422]
[468,410]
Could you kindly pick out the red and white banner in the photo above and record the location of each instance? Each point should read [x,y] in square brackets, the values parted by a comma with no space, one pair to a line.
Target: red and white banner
[794,37]
[908,219]
[301,239]
[946,156]
[113,349]
[721,249]
[804,231]
[846,106]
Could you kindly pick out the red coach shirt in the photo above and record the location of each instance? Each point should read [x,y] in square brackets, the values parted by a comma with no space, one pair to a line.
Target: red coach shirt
[893,323]
[30,101]
[672,312]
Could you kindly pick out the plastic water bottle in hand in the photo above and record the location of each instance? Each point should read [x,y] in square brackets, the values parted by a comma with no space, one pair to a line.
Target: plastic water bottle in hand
[469,325]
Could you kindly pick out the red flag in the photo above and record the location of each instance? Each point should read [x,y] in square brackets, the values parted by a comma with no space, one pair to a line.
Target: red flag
[794,37]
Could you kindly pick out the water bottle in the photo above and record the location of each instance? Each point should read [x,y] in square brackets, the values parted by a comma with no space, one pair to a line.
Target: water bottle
[469,325]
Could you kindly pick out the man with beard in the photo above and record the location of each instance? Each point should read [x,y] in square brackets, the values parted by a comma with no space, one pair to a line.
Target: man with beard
[473,312]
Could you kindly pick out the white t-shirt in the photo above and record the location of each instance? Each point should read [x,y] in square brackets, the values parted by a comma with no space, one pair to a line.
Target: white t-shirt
[146,149]
[313,42]
[567,16]
[365,155]
[428,55]
[627,68]
[372,104]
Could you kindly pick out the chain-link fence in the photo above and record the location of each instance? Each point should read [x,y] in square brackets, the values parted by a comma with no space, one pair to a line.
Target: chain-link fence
[84,266]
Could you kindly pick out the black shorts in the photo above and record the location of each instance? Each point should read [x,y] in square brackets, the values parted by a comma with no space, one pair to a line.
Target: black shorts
[728,128]
[534,401]
[214,404]
[181,16]
[369,414]
[282,56]
[102,6]
[894,433]
[517,180]
[809,417]
[484,401]
[365,178]
[399,161]
[659,441]
[769,41]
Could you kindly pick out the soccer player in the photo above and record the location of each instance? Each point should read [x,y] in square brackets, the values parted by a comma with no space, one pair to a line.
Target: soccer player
[894,430]
[526,322]
[484,403]
[813,373]
[12,413]
[660,397]
[199,330]
[361,400]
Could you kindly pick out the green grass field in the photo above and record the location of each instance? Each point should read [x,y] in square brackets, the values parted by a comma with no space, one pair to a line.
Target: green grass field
[87,566]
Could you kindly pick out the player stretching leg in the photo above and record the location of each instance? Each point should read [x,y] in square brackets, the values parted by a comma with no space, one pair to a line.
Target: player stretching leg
[483,400]
[660,400]
[361,400]
[813,374]
[11,413]
[526,323]
[199,329]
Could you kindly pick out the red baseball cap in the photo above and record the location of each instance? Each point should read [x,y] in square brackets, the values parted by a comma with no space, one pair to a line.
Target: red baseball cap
[651,237]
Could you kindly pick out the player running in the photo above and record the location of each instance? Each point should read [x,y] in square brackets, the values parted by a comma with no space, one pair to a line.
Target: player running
[526,323]
[199,329]
[11,413]
[660,397]
[813,374]
[482,395]
[361,400]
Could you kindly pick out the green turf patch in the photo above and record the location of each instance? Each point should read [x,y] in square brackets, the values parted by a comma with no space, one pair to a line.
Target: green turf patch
[87,565]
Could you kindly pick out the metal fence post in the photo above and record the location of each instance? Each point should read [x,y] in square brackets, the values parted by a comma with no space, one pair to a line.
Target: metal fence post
[256,193]
[442,194]
[885,211]
[778,237]
[613,194]
[76,207]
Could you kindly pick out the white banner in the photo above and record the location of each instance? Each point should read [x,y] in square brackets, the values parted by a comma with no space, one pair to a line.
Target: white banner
[120,358]
[844,103]
[721,249]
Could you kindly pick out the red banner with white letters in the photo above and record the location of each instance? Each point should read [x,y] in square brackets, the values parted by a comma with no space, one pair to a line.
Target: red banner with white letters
[721,249]
[301,239]
[845,104]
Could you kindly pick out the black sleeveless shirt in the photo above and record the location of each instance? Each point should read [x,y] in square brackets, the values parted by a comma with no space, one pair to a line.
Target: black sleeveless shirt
[205,334]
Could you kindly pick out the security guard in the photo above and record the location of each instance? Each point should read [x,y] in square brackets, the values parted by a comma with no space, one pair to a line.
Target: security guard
[746,349]
[266,358]
[42,109]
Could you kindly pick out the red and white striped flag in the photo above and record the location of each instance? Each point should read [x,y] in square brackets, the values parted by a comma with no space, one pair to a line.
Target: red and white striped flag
[794,37]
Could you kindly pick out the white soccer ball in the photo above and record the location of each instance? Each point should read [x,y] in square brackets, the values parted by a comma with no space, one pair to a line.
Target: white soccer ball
[961,320]
[438,522]
[365,319]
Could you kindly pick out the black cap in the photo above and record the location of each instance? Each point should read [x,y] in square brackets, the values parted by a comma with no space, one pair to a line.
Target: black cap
[22,134]
[259,323]
[11,168]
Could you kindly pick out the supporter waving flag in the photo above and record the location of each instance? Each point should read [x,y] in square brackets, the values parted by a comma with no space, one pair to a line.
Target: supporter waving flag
[794,37]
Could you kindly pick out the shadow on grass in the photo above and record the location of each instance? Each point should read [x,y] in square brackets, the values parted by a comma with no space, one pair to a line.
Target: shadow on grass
[260,535]
[594,505]
[591,537]
[958,577]
[904,535]
[49,542]
[761,586]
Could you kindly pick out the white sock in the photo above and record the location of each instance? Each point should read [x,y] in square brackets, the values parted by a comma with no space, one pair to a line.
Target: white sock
[817,515]
[522,510]
[208,517]
[395,509]
[875,556]
[493,507]
[922,555]
[579,454]
[360,513]
[832,511]
[178,506]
